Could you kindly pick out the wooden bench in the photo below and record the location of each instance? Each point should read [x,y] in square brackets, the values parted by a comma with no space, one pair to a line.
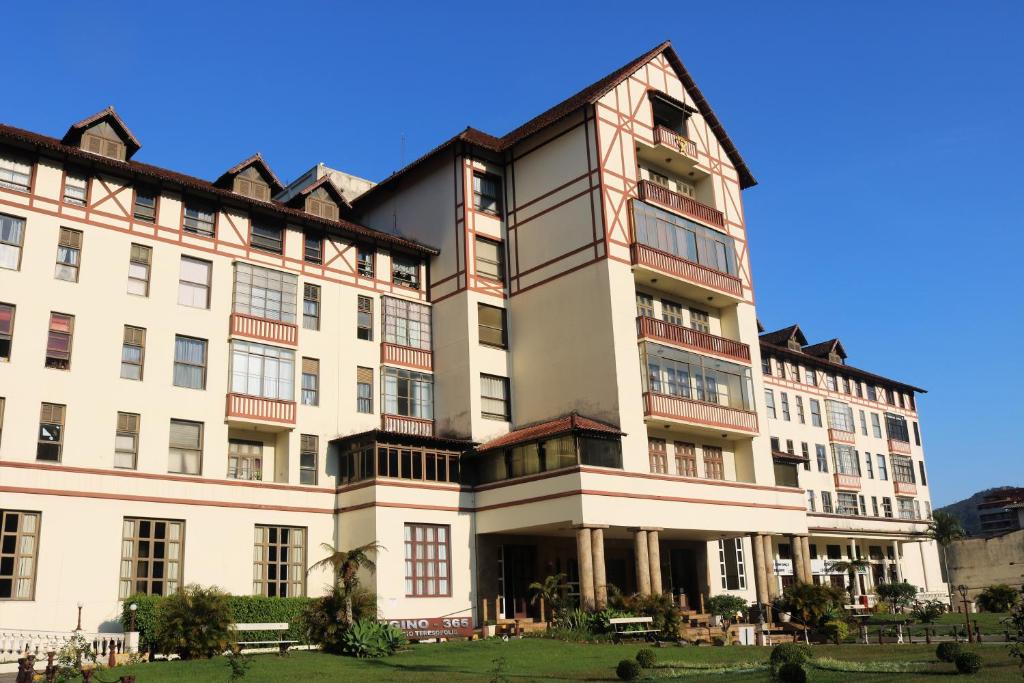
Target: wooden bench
[282,644]
[624,627]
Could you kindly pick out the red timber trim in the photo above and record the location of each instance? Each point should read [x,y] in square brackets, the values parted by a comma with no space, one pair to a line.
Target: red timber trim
[407,425]
[840,436]
[275,331]
[904,488]
[700,412]
[899,447]
[848,482]
[659,330]
[847,398]
[406,356]
[403,506]
[673,265]
[243,407]
[638,496]
[402,483]
[159,499]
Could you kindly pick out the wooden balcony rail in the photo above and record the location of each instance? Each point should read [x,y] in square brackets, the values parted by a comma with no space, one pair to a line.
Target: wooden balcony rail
[841,436]
[850,482]
[407,425]
[905,488]
[652,328]
[671,264]
[265,330]
[395,354]
[241,406]
[900,447]
[700,412]
[670,138]
[652,192]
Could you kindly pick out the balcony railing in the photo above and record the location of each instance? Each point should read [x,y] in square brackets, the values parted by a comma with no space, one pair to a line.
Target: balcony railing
[900,447]
[407,425]
[652,192]
[665,262]
[652,328]
[265,330]
[699,412]
[905,488]
[241,406]
[670,138]
[850,482]
[395,354]
[842,436]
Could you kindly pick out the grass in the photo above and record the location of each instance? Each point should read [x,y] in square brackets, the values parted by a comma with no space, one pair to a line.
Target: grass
[542,660]
[988,621]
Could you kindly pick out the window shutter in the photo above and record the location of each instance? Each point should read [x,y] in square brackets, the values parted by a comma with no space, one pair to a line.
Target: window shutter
[185,434]
[51,413]
[93,144]
[141,254]
[310,443]
[364,375]
[128,422]
[136,336]
[311,292]
[310,366]
[70,238]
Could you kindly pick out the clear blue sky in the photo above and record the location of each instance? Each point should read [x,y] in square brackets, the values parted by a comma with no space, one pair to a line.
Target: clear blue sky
[886,138]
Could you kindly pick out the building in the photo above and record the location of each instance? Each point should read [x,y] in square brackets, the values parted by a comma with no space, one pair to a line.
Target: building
[517,356]
[1001,511]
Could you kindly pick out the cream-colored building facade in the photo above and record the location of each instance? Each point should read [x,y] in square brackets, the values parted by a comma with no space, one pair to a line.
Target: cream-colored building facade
[517,356]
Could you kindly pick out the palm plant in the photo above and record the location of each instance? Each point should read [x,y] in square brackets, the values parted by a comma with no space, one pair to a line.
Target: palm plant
[945,529]
[346,565]
[852,567]
[553,590]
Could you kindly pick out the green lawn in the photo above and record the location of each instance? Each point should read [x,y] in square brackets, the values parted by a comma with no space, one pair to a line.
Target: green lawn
[541,659]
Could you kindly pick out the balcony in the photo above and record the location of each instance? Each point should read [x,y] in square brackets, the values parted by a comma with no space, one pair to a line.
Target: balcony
[273,331]
[676,142]
[406,356]
[699,413]
[900,447]
[659,330]
[905,488]
[680,203]
[841,436]
[664,263]
[847,482]
[407,425]
[245,408]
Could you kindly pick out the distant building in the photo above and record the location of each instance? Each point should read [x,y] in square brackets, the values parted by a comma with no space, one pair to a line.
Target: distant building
[1001,511]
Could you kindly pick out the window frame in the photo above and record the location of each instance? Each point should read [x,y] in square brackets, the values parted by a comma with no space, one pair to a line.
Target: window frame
[206,287]
[71,242]
[144,215]
[265,241]
[73,198]
[244,465]
[418,399]
[310,394]
[265,293]
[311,301]
[54,360]
[190,364]
[9,173]
[501,331]
[506,400]
[18,556]
[314,255]
[132,559]
[738,562]
[129,339]
[194,224]
[495,199]
[413,560]
[309,445]
[128,420]
[264,548]
[364,318]
[283,380]
[14,223]
[7,332]
[171,446]
[365,261]
[406,323]
[137,260]
[494,269]
[405,271]
[58,420]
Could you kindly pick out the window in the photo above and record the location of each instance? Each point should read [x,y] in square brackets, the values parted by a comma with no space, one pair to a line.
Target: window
[310,382]
[185,452]
[408,393]
[279,562]
[3,402]
[800,410]
[700,321]
[683,238]
[15,174]
[917,434]
[139,261]
[262,370]
[311,307]
[265,293]
[133,351]
[494,397]
[789,447]
[58,341]
[830,382]
[405,271]
[364,390]
[12,231]
[364,261]
[730,560]
[199,220]
[896,428]
[845,460]
[491,325]
[887,506]
[769,402]
[927,510]
[194,282]
[144,208]
[826,502]
[686,459]
[906,508]
[780,368]
[427,564]
[126,440]
[69,255]
[266,236]
[644,305]
[766,365]
[815,412]
[406,323]
[917,509]
[775,444]
[656,455]
[863,506]
[785,405]
[856,388]
[883,474]
[840,416]
[863,423]
[810,501]
[810,377]
[486,192]
[76,188]
[920,468]
[313,248]
[364,318]
[846,385]
[821,454]
[805,451]
[876,427]
[6,330]
[151,556]
[490,262]
[868,466]
[189,362]
[51,432]
[846,503]
[872,393]
[671,312]
[245,460]
[309,454]
[874,505]
[713,465]
[902,469]
[19,548]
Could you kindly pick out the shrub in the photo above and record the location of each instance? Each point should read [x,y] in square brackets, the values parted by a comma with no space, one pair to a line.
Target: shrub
[194,623]
[323,619]
[720,641]
[791,672]
[997,598]
[628,670]
[646,658]
[789,652]
[661,608]
[371,638]
[837,629]
[898,595]
[968,662]
[145,617]
[947,652]
[726,606]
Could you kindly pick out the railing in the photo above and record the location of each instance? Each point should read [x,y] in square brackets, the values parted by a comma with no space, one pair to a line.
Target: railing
[670,138]
[841,436]
[265,330]
[847,481]
[905,488]
[680,202]
[259,408]
[652,328]
[665,262]
[701,412]
[15,643]
[397,354]
[900,447]
[407,425]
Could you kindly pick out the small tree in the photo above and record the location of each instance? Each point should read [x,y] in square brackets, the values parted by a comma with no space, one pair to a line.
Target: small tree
[898,595]
[726,606]
[945,529]
[810,603]
[554,590]
[195,623]
[346,565]
[852,567]
[998,598]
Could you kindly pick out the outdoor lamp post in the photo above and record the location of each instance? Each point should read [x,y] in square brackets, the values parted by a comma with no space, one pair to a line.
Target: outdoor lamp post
[79,627]
[132,608]
[962,590]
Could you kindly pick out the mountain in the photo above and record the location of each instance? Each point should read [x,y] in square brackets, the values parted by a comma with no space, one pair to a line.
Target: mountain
[966,510]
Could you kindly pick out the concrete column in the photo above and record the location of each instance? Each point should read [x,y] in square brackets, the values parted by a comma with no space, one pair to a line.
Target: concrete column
[805,541]
[643,562]
[924,565]
[600,582]
[855,588]
[896,559]
[760,569]
[769,563]
[654,558]
[585,560]
[797,545]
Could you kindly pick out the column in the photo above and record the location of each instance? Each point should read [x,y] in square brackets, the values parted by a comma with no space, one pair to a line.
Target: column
[808,572]
[797,545]
[896,560]
[600,582]
[585,560]
[855,588]
[654,560]
[924,565]
[760,568]
[643,562]
[769,563]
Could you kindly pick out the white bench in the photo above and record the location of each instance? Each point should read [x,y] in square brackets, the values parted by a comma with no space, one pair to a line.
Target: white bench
[282,644]
[624,627]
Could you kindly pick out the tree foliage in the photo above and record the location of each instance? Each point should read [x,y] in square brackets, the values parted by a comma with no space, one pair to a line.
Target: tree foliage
[998,598]
[898,595]
[346,565]
[195,623]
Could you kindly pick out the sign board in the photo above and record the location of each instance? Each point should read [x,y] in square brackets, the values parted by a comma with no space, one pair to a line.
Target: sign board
[783,567]
[434,627]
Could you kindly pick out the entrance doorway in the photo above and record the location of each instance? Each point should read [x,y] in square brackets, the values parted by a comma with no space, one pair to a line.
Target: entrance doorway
[516,571]
[684,575]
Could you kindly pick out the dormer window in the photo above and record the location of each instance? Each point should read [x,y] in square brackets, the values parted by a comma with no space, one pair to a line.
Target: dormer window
[104,134]
[320,203]
[251,184]
[793,344]
[103,141]
[251,178]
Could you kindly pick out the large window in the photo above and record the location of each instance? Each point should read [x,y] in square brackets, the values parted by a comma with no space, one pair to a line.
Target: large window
[279,562]
[876,426]
[730,560]
[845,459]
[51,432]
[133,352]
[69,255]
[245,460]
[883,473]
[840,416]
[427,564]
[769,403]
[902,469]
[151,556]
[906,508]
[689,375]
[896,427]
[408,393]
[6,330]
[194,282]
[846,503]
[644,305]
[262,370]
[126,440]
[489,260]
[15,174]
[826,502]
[200,220]
[58,341]
[265,293]
[309,455]
[139,262]
[486,192]
[185,452]
[491,325]
[12,232]
[406,323]
[684,238]
[19,548]
[189,362]
[494,397]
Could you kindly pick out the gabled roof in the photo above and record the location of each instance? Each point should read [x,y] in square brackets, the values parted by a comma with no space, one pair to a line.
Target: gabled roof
[260,163]
[567,424]
[74,134]
[325,182]
[823,349]
[782,337]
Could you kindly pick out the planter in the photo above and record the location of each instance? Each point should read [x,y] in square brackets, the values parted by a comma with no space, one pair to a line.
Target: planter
[784,617]
[490,630]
